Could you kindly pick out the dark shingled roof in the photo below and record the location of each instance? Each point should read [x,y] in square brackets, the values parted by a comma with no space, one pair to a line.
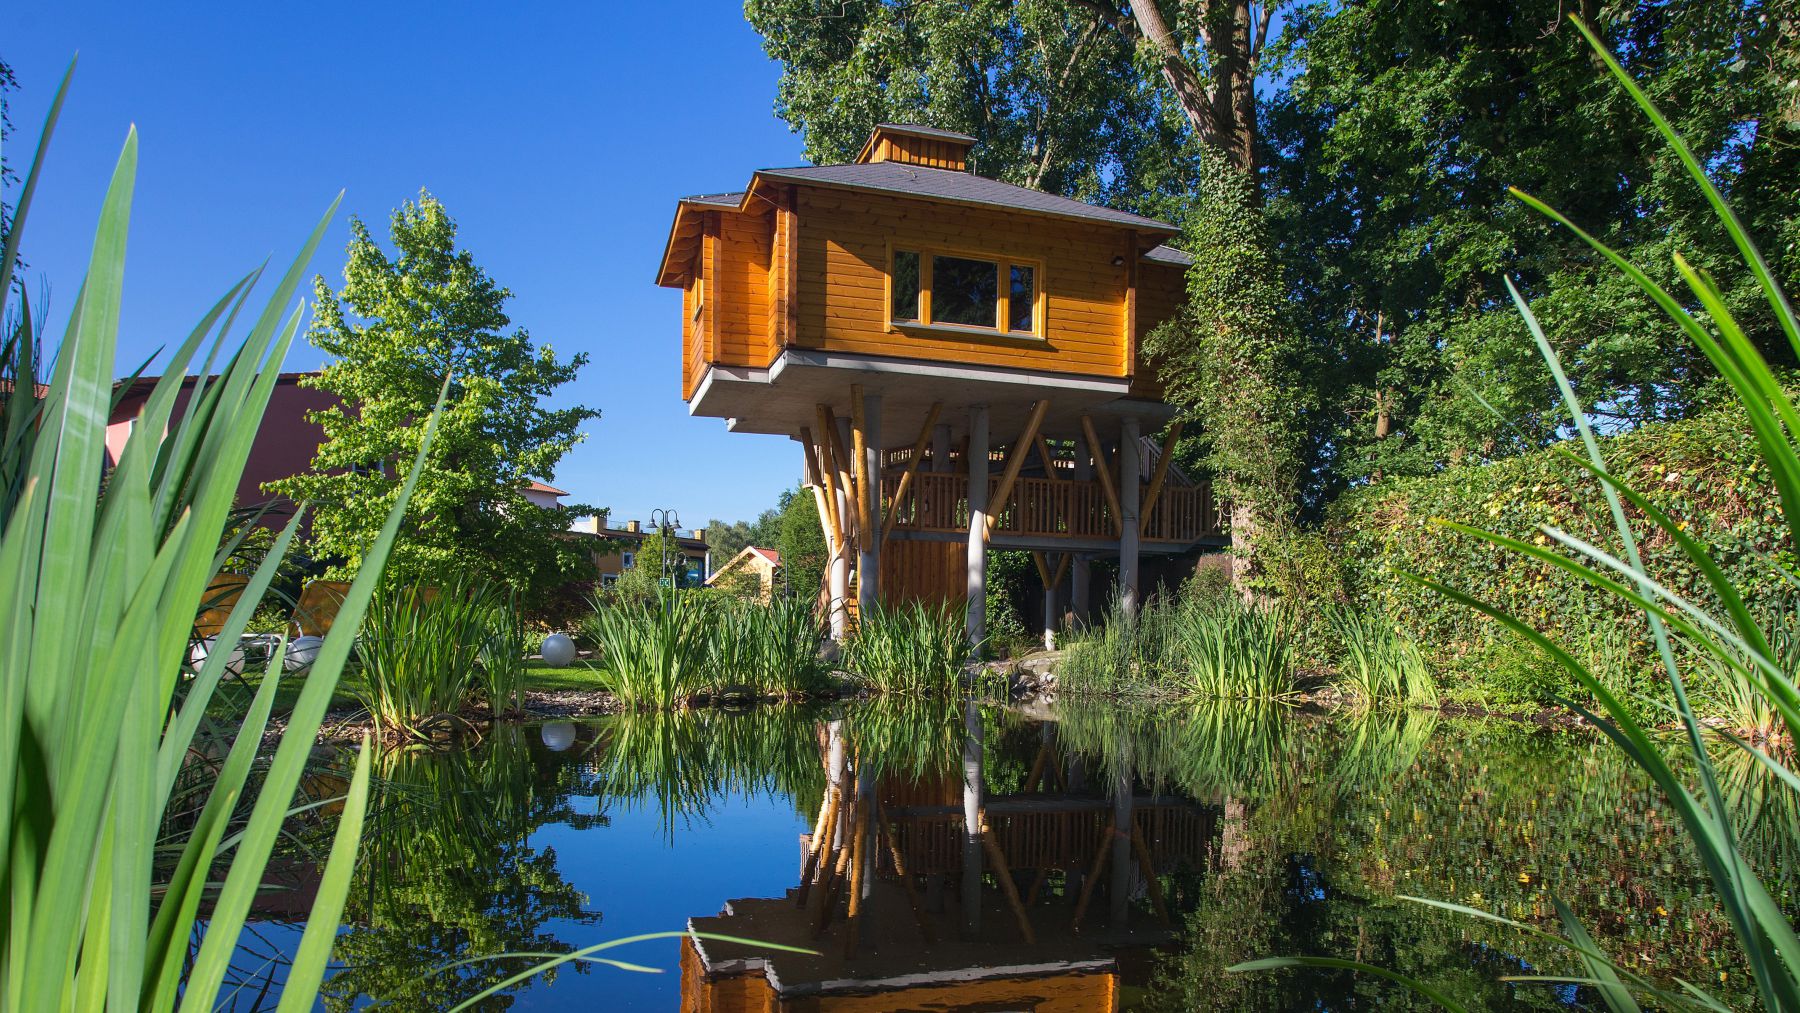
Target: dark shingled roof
[723,199]
[963,187]
[921,130]
[1166,254]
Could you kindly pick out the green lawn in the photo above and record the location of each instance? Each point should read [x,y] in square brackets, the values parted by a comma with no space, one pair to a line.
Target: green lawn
[233,696]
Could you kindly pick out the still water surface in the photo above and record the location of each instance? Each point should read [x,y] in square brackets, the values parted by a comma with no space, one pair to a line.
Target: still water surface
[1129,856]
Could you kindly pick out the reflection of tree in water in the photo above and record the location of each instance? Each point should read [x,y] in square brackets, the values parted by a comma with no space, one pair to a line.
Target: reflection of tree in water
[1496,815]
[447,873]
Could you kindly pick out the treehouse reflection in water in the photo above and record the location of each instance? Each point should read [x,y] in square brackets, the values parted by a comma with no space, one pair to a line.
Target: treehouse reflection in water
[1123,857]
[936,889]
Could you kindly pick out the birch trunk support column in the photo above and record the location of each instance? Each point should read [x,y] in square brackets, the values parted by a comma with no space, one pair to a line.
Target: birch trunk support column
[1130,497]
[973,734]
[977,461]
[847,513]
[1050,616]
[868,559]
[940,447]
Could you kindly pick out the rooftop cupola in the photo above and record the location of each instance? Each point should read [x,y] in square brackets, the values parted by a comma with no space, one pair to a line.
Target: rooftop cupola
[918,145]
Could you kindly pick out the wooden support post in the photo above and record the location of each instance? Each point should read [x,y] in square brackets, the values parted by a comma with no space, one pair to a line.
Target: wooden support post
[1050,610]
[840,441]
[819,459]
[1098,449]
[865,419]
[1160,475]
[1015,460]
[1080,579]
[1130,495]
[1007,886]
[859,845]
[892,512]
[926,929]
[837,574]
[1048,458]
[1093,874]
[821,846]
[976,585]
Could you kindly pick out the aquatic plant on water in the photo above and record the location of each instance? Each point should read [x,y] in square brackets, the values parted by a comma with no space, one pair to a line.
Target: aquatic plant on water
[1376,664]
[100,584]
[1725,629]
[909,647]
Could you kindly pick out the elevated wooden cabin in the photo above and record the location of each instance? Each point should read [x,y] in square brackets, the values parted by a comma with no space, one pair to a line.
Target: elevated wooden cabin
[958,357]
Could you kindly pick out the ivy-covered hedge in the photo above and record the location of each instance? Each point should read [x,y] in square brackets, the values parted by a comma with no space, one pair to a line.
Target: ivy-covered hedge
[1704,471]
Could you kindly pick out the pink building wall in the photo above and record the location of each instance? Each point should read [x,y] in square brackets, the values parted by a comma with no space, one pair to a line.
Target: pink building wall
[284,445]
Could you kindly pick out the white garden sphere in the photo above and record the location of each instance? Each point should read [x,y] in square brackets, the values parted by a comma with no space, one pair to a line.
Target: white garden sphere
[558,651]
[302,652]
[558,735]
[234,662]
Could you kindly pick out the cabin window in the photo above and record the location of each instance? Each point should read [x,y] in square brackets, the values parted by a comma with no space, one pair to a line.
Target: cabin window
[906,286]
[949,290]
[964,292]
[1022,300]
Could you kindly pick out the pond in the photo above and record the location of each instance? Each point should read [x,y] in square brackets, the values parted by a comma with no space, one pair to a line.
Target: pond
[1129,856]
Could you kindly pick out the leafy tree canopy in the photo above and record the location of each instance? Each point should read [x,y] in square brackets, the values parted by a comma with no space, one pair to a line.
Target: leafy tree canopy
[399,326]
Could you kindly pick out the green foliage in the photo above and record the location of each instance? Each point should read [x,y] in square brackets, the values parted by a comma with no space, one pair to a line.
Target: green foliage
[449,873]
[399,326]
[1009,574]
[1391,210]
[771,647]
[1720,626]
[1705,471]
[122,808]
[729,539]
[427,648]
[1232,360]
[1056,96]
[1378,665]
[801,543]
[1219,648]
[909,648]
[651,655]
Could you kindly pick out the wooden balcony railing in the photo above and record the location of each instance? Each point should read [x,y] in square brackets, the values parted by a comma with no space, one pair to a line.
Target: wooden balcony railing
[1051,508]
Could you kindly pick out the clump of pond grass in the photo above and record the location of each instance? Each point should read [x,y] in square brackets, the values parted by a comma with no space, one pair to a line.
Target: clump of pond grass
[651,655]
[908,648]
[426,648]
[1233,650]
[1221,648]
[770,647]
[1376,664]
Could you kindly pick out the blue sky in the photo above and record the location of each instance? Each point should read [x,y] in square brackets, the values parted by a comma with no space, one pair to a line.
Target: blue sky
[558,135]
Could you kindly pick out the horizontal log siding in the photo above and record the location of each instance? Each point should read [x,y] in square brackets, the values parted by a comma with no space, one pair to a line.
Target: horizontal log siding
[1162,288]
[741,290]
[844,239]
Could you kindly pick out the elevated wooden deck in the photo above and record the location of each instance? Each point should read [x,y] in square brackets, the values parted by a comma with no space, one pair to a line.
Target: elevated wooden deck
[1060,509]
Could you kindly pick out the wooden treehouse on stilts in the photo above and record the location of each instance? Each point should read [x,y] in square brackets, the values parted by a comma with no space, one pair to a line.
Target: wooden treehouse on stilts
[959,361]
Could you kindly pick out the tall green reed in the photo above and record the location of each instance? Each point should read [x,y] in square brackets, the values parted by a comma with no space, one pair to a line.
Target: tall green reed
[771,647]
[100,584]
[1376,664]
[651,656]
[1222,649]
[908,648]
[427,648]
[1726,629]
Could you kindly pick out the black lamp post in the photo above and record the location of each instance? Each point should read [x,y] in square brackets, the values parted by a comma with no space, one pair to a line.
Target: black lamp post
[666,522]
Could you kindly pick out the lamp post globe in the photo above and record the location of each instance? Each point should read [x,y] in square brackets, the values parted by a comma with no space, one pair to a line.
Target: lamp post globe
[558,651]
[302,652]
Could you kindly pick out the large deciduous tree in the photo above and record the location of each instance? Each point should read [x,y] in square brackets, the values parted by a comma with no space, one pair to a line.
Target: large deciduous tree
[396,330]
